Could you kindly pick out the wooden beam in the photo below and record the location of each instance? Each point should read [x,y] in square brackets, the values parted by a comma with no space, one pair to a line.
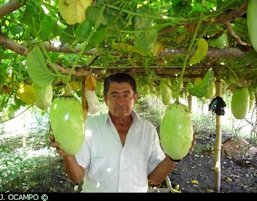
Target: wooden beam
[9,7]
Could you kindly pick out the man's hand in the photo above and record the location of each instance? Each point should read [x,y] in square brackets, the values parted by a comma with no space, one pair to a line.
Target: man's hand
[76,173]
[55,144]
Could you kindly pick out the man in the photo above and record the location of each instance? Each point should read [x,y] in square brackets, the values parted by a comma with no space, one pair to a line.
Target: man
[121,151]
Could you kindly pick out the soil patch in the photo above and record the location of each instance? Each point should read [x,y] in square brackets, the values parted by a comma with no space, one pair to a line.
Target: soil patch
[195,173]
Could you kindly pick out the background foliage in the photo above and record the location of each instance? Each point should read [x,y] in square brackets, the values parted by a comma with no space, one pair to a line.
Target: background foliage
[150,38]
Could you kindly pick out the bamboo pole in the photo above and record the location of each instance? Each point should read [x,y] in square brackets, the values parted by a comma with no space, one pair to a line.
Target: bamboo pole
[217,168]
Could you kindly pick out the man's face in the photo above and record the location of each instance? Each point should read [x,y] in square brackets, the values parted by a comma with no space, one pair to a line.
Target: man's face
[120,99]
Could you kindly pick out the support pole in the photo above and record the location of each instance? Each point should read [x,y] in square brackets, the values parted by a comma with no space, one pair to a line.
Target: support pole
[217,168]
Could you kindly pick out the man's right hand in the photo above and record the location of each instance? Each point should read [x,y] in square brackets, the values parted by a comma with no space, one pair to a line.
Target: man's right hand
[72,168]
[57,146]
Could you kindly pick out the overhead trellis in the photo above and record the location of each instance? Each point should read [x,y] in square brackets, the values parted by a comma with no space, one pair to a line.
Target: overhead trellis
[127,36]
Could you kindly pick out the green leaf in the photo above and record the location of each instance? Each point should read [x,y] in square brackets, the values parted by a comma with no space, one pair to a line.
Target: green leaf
[95,15]
[146,35]
[3,73]
[99,36]
[144,22]
[145,40]
[47,25]
[37,68]
[83,30]
[67,35]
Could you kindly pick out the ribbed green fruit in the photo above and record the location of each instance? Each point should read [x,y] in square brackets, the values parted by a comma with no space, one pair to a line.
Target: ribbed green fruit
[67,123]
[166,92]
[44,96]
[176,131]
[252,23]
[240,103]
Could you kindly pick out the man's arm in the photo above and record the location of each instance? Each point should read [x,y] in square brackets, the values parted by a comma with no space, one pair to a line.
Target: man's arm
[72,168]
[159,174]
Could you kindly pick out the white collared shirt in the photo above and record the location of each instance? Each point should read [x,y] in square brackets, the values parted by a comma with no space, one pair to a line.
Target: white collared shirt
[110,167]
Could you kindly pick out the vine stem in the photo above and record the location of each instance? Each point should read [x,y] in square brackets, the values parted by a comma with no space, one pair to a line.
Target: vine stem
[85,43]
[191,46]
[16,115]
[45,53]
[49,60]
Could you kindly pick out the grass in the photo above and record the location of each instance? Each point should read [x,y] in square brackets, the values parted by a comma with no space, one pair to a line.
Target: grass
[35,168]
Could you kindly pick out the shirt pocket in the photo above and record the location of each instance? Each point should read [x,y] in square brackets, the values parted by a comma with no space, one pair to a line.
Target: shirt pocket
[99,168]
[139,168]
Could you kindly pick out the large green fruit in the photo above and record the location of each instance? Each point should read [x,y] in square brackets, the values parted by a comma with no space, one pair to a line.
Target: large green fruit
[240,103]
[252,23]
[44,96]
[176,131]
[67,122]
[166,92]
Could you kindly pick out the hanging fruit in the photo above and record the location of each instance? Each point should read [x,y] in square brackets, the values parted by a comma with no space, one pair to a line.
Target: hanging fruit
[176,131]
[44,96]
[251,22]
[73,11]
[200,53]
[67,123]
[166,92]
[240,102]
[27,94]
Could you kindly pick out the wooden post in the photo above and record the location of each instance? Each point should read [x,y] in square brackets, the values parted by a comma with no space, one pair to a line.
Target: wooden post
[217,167]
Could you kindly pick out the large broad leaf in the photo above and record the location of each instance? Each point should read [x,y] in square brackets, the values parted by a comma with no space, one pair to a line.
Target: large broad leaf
[83,30]
[95,16]
[146,34]
[37,68]
[146,40]
[47,25]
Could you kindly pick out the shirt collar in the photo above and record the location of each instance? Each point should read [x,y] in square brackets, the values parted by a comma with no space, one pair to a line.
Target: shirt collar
[135,116]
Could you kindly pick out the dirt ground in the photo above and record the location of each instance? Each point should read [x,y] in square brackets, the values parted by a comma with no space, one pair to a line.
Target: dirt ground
[195,172]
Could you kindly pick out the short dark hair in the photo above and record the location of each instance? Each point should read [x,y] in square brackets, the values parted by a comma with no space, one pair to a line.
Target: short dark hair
[119,77]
